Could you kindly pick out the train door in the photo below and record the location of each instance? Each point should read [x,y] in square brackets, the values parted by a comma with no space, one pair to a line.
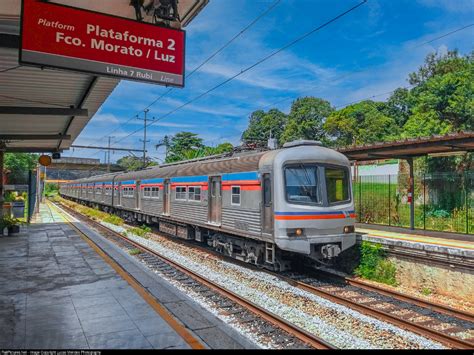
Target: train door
[119,194]
[138,195]
[166,197]
[215,200]
[102,192]
[267,212]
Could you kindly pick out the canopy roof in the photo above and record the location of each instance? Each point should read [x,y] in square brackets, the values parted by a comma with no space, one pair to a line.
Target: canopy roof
[409,148]
[44,110]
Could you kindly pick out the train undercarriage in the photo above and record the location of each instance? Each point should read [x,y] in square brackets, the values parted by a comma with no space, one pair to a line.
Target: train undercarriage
[256,252]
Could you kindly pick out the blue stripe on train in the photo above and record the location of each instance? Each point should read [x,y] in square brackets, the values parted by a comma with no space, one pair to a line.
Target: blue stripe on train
[202,178]
[310,213]
[153,181]
[251,175]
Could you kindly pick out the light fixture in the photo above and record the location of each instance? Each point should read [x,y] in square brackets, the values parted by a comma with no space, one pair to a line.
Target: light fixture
[160,10]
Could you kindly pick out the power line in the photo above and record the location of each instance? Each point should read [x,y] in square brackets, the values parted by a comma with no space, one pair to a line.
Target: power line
[207,60]
[446,35]
[243,71]
[359,72]
[286,99]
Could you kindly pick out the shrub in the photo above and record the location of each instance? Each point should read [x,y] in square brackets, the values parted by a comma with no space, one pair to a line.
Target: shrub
[374,265]
[113,219]
[140,231]
[135,251]
[426,291]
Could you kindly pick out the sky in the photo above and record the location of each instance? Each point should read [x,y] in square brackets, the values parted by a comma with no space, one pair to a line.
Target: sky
[365,54]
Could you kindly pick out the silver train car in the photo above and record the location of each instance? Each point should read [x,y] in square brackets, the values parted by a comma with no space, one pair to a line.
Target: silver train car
[264,208]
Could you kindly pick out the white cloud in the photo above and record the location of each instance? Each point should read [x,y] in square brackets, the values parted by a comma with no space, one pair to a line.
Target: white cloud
[450,5]
[106,118]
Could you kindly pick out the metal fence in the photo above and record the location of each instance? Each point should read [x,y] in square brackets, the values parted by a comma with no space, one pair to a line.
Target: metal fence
[443,201]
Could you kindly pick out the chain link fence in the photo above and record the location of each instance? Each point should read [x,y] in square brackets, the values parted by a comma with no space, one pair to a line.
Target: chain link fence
[443,201]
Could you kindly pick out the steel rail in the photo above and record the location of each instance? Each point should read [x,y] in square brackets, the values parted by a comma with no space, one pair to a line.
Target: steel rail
[281,323]
[384,316]
[378,314]
[440,308]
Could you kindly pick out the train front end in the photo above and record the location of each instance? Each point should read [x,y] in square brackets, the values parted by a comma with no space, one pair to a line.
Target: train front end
[313,202]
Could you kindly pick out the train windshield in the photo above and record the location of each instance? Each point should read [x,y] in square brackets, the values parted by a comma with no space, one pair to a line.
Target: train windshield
[337,184]
[302,184]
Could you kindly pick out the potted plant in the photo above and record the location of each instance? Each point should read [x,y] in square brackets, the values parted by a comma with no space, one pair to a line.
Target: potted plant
[9,225]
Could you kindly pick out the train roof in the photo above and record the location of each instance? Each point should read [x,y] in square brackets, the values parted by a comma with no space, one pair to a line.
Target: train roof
[240,162]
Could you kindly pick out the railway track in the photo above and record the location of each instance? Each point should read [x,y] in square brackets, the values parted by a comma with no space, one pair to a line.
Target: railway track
[263,323]
[410,313]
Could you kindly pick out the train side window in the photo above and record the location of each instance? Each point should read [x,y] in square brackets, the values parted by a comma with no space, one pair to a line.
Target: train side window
[267,191]
[154,192]
[194,193]
[235,198]
[146,192]
[181,193]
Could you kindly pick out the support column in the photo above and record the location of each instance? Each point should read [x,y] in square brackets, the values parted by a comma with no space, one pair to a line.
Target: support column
[411,193]
[2,155]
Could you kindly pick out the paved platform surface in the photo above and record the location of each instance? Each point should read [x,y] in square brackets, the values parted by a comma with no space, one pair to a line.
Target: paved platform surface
[57,292]
[417,238]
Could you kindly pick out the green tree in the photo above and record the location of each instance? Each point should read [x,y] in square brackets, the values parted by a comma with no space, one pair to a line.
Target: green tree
[443,100]
[360,123]
[204,151]
[131,162]
[399,106]
[306,119]
[18,165]
[181,142]
[263,124]
[437,64]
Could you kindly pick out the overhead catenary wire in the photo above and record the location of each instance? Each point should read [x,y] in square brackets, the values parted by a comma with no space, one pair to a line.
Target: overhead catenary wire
[240,33]
[207,60]
[262,60]
[347,75]
[243,71]
[447,34]
[359,72]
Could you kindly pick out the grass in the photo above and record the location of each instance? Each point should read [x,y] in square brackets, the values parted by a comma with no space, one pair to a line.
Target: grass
[377,202]
[113,219]
[425,291]
[374,265]
[141,231]
[135,251]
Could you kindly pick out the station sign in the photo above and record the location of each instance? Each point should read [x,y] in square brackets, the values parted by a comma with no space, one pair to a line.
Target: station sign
[59,36]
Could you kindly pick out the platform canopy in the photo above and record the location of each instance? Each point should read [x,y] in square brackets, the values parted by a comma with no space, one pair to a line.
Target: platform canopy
[44,110]
[412,148]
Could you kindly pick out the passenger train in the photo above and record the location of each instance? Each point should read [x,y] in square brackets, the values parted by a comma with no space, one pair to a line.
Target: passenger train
[264,208]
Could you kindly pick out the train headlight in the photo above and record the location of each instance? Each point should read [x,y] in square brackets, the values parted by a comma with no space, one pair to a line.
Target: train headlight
[295,232]
[349,229]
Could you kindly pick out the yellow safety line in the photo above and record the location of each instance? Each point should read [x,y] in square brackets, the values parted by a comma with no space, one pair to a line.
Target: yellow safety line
[415,238]
[149,298]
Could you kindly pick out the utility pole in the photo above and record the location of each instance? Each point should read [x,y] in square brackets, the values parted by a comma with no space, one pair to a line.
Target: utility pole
[108,155]
[144,135]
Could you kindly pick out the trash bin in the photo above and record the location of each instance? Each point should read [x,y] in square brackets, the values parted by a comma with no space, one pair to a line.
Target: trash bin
[18,209]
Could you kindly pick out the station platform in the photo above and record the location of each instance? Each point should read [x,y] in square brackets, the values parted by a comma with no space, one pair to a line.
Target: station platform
[57,291]
[434,238]
[439,248]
